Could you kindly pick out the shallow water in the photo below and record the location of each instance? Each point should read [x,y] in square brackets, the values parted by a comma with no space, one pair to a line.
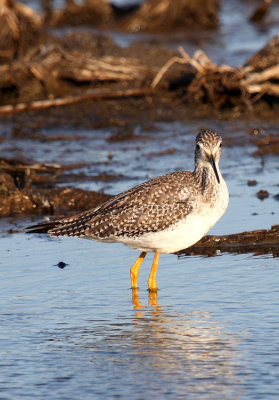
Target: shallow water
[213,330]
[74,333]
[77,332]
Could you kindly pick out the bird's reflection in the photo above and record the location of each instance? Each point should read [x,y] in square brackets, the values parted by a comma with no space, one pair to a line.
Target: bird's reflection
[173,351]
[136,302]
[190,347]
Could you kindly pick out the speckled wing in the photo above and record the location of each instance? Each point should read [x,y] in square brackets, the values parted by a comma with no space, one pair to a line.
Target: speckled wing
[149,207]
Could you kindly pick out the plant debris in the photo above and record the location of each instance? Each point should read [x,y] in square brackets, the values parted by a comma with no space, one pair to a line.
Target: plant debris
[260,241]
[151,15]
[169,15]
[30,190]
[40,70]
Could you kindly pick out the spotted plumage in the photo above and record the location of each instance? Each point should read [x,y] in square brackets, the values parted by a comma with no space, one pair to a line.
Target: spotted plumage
[164,215]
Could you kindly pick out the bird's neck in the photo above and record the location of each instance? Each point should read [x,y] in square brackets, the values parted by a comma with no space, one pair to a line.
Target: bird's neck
[205,177]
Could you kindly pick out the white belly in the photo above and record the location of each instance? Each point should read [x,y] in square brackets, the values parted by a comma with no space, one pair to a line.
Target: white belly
[178,237]
[186,232]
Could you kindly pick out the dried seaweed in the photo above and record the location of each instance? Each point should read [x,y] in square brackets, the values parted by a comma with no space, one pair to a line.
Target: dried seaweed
[261,241]
[222,85]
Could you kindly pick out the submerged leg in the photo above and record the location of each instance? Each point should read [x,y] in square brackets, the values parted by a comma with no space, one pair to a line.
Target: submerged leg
[135,270]
[152,285]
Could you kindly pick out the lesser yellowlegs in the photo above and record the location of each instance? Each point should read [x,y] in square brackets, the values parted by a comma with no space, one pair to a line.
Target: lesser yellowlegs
[163,215]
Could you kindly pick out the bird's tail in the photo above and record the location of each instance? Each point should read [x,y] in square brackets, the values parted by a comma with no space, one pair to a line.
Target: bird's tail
[43,227]
[69,226]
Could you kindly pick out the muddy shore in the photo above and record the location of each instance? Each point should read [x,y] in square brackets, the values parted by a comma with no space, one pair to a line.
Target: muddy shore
[42,69]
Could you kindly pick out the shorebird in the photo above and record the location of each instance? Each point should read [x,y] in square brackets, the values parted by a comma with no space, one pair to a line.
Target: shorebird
[163,215]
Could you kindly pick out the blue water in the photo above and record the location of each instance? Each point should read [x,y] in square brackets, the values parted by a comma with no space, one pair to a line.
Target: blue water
[74,333]
[77,332]
[213,330]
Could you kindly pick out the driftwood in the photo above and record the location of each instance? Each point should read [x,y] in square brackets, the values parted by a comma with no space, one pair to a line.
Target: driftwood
[38,167]
[107,68]
[262,82]
[38,70]
[92,95]
[261,241]
[200,62]
[219,83]
[20,29]
[56,74]
[76,65]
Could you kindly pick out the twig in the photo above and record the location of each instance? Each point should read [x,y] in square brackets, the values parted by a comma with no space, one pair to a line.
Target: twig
[164,69]
[267,87]
[35,167]
[200,62]
[96,94]
[267,74]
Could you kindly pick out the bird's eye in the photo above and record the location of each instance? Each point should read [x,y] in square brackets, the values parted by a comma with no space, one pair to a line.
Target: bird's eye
[198,147]
[220,145]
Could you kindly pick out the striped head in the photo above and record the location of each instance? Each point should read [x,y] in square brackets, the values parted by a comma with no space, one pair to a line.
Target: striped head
[208,151]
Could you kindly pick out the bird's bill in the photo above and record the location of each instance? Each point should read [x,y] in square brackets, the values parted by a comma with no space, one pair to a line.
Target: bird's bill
[212,162]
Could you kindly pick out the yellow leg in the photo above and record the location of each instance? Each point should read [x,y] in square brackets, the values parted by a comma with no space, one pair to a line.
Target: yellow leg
[135,270]
[152,285]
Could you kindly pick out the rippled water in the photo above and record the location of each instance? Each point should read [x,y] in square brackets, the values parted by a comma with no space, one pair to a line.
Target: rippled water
[213,330]
[74,333]
[78,333]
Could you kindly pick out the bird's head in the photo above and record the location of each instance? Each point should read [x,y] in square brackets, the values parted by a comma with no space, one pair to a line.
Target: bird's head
[208,151]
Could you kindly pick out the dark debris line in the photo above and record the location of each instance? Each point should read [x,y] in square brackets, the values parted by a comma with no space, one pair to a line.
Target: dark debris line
[261,241]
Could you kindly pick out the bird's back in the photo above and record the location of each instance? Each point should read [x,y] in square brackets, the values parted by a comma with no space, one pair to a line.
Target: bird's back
[149,207]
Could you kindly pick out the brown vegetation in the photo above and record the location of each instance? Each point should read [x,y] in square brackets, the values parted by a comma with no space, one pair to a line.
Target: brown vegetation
[30,190]
[223,86]
[52,71]
[151,15]
[169,15]
[90,12]
[261,241]
[20,30]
